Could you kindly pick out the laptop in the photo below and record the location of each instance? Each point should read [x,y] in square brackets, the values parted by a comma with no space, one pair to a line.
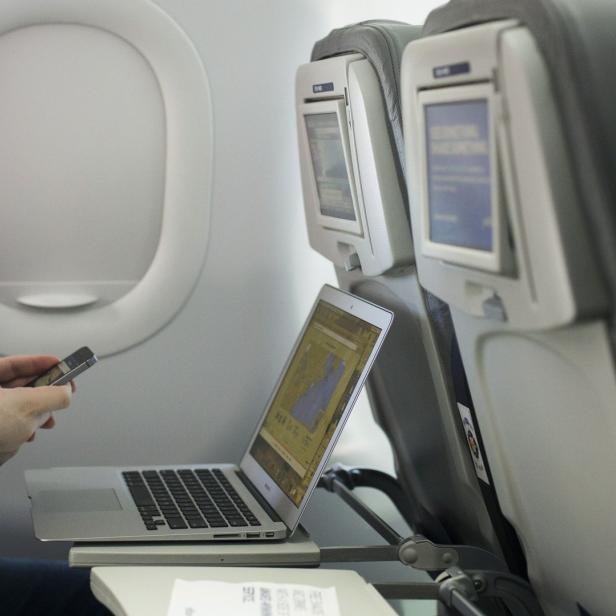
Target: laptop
[262,498]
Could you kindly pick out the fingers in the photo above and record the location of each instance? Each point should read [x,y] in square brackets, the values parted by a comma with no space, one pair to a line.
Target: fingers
[17,370]
[49,424]
[41,400]
[25,409]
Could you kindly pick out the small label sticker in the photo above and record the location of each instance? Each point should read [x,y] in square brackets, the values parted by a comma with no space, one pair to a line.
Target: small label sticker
[473,442]
[317,88]
[448,70]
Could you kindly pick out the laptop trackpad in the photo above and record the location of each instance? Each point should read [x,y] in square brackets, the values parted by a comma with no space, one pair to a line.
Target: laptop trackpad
[65,501]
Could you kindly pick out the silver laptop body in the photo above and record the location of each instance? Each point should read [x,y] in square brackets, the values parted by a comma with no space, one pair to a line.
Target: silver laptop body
[263,497]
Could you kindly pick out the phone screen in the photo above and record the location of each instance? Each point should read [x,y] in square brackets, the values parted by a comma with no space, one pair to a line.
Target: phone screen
[52,375]
[67,369]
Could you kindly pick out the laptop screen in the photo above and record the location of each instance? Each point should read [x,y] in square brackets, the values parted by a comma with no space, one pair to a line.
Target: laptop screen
[312,396]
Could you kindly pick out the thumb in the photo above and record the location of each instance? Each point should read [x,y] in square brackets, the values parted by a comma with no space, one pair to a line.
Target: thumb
[42,400]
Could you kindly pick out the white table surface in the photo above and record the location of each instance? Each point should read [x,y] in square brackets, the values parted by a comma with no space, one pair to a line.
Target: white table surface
[146,591]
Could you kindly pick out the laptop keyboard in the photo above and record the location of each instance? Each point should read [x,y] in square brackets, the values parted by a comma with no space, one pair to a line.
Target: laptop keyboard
[202,498]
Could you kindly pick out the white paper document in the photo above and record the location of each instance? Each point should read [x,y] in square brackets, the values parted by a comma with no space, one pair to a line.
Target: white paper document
[210,598]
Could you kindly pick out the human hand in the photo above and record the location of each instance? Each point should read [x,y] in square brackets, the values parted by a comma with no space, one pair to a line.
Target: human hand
[25,409]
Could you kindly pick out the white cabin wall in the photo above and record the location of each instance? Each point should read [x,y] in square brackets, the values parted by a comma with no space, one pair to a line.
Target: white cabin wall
[193,392]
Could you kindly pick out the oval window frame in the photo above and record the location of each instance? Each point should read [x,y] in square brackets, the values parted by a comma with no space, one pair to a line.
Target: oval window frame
[179,257]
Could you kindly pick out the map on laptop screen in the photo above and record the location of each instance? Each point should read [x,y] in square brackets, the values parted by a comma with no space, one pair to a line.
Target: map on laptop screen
[312,396]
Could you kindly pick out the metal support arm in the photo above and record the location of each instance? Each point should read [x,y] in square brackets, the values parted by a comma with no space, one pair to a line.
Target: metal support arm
[471,573]
[416,551]
[461,589]
[370,478]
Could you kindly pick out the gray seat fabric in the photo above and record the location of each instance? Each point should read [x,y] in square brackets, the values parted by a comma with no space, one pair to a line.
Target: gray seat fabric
[382,42]
[578,43]
[556,511]
[402,375]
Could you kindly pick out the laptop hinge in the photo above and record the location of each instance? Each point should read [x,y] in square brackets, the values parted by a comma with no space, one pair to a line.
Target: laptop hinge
[251,488]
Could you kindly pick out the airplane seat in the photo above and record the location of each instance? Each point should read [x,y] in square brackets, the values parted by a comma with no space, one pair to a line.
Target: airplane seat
[350,137]
[510,138]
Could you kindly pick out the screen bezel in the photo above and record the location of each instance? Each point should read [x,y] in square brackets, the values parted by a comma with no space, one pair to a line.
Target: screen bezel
[285,508]
[332,222]
[492,260]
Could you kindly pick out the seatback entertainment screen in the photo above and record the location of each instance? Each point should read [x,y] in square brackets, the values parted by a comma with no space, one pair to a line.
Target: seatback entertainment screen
[459,174]
[329,165]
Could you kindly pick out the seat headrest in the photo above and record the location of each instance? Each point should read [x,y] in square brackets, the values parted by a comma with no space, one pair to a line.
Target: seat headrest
[382,43]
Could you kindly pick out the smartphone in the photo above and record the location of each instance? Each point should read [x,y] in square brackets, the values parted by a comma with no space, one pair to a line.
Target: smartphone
[67,369]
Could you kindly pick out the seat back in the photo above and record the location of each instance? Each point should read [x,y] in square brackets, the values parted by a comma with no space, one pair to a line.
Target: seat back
[354,78]
[498,133]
